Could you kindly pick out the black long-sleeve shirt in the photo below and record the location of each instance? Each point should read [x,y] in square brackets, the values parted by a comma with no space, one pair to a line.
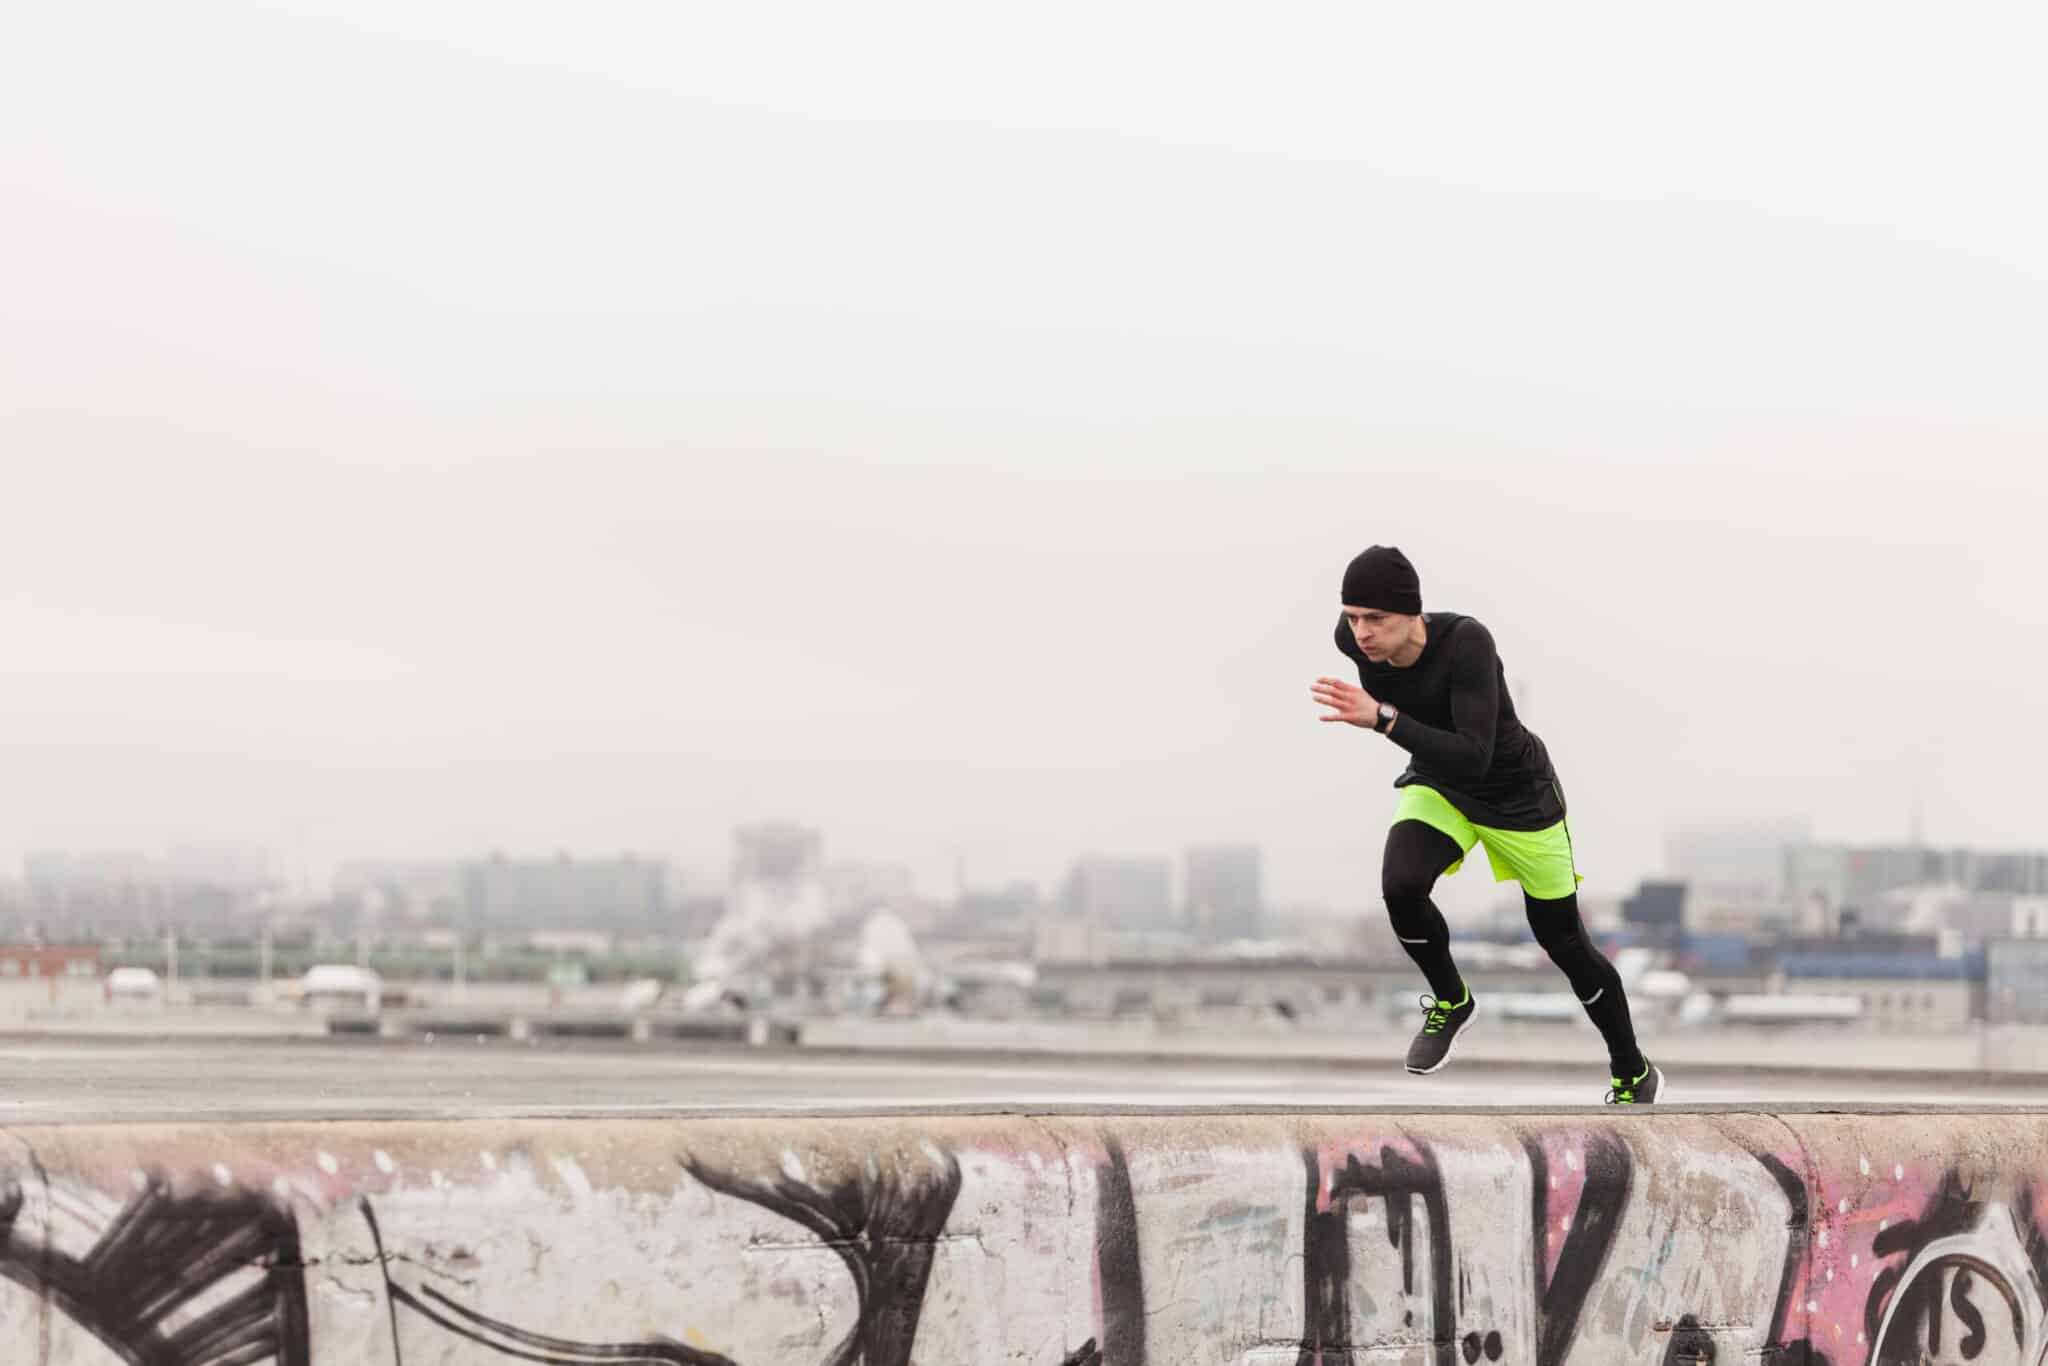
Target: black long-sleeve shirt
[1459,726]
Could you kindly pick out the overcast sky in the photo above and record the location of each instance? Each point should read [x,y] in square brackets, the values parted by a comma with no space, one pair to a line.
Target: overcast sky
[439,427]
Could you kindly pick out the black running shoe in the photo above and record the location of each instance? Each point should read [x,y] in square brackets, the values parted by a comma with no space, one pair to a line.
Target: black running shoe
[1441,1026]
[1647,1089]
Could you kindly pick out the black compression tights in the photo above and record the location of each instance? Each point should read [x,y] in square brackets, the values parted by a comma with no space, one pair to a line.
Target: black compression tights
[1417,854]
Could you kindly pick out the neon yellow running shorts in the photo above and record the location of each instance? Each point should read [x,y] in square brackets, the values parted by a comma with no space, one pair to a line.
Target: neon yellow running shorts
[1541,860]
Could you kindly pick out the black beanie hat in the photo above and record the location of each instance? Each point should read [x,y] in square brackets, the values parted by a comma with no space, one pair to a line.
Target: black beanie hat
[1381,578]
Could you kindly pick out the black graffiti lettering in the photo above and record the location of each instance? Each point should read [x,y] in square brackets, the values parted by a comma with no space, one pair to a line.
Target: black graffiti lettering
[1793,1187]
[1400,1183]
[1971,1254]
[1881,1287]
[162,1256]
[1692,1345]
[511,1341]
[505,1338]
[1974,1337]
[1087,1354]
[883,1224]
[1930,1298]
[1952,1209]
[1326,1271]
[2032,1242]
[1116,1259]
[1489,1346]
[1916,1333]
[1596,1219]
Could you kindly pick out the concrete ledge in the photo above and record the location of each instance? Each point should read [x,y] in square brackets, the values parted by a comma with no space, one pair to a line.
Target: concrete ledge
[523,1025]
[1068,1240]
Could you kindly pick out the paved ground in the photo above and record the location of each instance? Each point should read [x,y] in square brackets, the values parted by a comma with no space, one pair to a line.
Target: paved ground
[1367,1040]
[58,1080]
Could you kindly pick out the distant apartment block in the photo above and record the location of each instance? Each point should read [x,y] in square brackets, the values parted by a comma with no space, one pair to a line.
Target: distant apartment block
[1899,992]
[563,892]
[1735,865]
[854,888]
[1131,894]
[2016,981]
[1224,896]
[111,890]
[1833,876]
[411,889]
[128,892]
[1656,912]
[776,853]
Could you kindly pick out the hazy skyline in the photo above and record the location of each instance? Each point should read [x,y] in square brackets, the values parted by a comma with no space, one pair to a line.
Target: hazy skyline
[438,428]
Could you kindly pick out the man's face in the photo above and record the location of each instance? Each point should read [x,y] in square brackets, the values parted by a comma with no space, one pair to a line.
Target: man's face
[1378,633]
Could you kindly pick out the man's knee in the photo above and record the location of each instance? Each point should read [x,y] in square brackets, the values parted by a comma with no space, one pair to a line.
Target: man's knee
[1416,920]
[1415,858]
[1555,924]
[1562,933]
[1405,886]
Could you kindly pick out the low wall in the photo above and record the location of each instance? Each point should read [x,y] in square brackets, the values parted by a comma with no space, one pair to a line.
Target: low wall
[1040,1241]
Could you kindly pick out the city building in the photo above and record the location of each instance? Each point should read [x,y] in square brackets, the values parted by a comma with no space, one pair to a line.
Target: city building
[776,853]
[36,962]
[1223,892]
[112,891]
[1862,941]
[1825,879]
[563,892]
[1128,894]
[1967,918]
[1008,916]
[1655,914]
[123,892]
[1899,992]
[414,890]
[246,867]
[856,887]
[1734,865]
[2016,981]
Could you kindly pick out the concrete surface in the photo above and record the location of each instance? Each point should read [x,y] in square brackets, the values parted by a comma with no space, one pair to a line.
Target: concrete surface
[66,1081]
[1341,1035]
[2006,1048]
[1357,1038]
[1029,1240]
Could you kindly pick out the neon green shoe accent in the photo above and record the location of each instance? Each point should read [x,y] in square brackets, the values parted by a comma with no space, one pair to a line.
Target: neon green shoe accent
[1624,1092]
[1440,1014]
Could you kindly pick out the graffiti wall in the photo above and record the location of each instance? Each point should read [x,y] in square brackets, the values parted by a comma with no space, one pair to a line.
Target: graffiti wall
[1293,1241]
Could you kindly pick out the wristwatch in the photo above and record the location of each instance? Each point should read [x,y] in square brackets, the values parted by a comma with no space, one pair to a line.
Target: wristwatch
[1386,721]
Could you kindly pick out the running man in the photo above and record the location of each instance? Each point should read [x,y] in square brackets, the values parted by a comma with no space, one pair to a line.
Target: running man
[1433,684]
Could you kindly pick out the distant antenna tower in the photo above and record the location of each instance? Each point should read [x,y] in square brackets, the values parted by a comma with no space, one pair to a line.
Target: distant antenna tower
[959,853]
[1919,822]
